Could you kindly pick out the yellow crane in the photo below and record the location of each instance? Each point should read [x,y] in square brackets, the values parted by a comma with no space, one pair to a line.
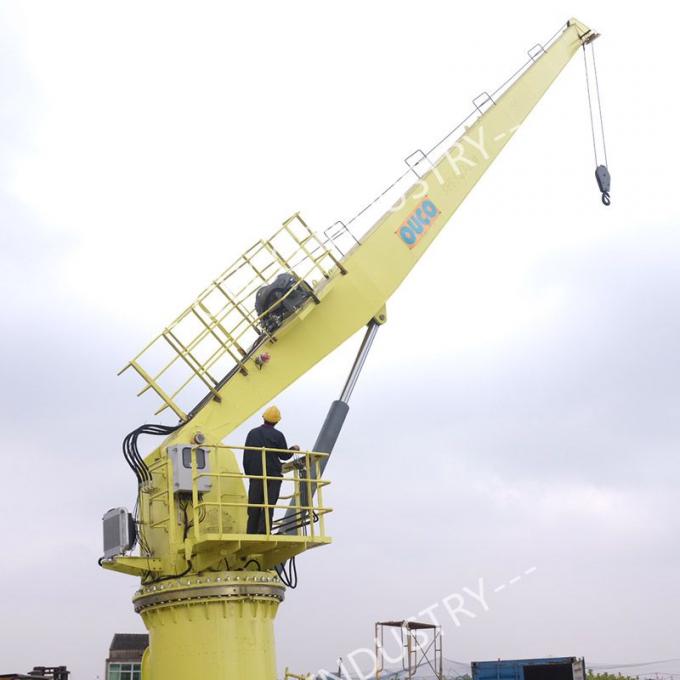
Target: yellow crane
[209,590]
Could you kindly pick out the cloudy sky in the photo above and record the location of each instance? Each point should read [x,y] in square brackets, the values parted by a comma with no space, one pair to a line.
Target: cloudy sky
[519,413]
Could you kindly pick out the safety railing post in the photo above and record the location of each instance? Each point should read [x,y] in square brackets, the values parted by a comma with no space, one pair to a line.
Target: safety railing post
[319,492]
[144,509]
[310,498]
[220,509]
[194,494]
[265,481]
[172,510]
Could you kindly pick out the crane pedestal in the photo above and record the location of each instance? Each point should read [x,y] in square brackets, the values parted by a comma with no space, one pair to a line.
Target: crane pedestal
[217,627]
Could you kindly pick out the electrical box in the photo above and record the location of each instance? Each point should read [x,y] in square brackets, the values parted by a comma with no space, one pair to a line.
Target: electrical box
[180,456]
[120,532]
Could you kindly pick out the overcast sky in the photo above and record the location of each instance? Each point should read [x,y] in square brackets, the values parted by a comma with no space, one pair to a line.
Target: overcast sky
[519,412]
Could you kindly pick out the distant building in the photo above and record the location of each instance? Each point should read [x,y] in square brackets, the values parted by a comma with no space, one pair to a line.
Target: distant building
[125,656]
[48,673]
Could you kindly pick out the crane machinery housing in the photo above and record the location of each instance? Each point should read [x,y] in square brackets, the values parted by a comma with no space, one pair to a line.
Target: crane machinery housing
[210,591]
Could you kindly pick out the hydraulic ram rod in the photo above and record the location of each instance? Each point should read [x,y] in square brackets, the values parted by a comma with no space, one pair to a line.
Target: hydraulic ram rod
[331,428]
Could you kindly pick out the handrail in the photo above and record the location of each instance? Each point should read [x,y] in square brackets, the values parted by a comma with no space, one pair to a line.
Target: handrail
[311,466]
[215,332]
[221,511]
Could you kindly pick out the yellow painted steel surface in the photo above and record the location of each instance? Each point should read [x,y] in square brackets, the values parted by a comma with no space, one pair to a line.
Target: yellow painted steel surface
[378,266]
[229,636]
[292,676]
[200,530]
[218,626]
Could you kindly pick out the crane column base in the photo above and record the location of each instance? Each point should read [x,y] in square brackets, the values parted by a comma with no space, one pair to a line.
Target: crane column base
[215,627]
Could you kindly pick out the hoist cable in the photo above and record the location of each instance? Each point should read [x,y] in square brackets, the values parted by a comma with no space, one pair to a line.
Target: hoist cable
[601,170]
[590,104]
[599,103]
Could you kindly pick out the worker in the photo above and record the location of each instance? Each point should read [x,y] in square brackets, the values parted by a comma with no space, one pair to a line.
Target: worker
[264,436]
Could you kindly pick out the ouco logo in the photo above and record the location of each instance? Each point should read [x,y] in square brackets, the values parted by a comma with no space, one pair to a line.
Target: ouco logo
[418,222]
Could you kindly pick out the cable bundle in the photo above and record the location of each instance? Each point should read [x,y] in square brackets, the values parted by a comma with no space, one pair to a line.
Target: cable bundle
[288,574]
[131,451]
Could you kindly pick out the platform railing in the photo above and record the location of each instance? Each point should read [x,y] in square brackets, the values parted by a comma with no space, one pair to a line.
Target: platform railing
[301,479]
[218,332]
[221,513]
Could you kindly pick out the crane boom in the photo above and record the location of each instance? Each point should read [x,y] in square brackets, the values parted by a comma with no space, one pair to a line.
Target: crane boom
[369,274]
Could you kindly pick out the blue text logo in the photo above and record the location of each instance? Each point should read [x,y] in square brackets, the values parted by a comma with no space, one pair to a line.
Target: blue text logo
[418,222]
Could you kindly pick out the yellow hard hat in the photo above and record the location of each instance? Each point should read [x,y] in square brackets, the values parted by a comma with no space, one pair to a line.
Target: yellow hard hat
[272,415]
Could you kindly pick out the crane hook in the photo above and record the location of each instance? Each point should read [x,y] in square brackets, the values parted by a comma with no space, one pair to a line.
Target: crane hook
[604,182]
